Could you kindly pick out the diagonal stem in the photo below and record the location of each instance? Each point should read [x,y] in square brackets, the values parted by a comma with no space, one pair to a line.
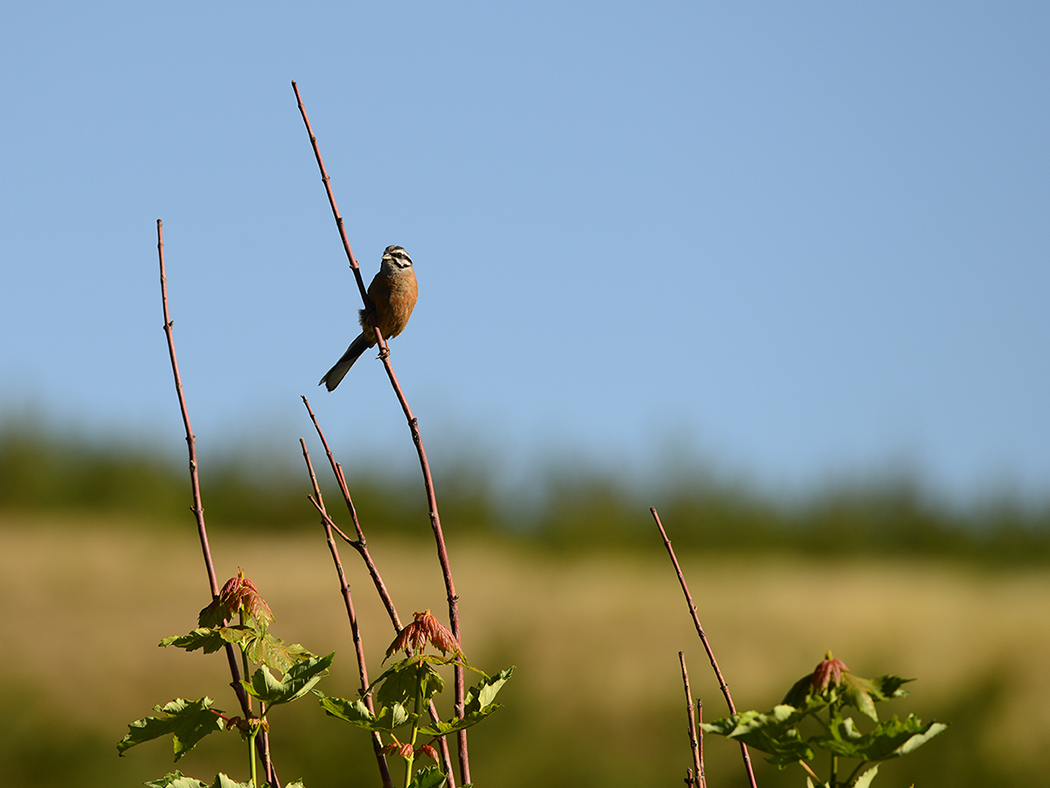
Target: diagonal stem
[361,546]
[703,639]
[696,742]
[262,743]
[413,424]
[348,601]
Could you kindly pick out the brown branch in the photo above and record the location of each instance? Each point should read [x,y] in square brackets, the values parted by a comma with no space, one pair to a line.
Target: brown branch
[361,546]
[435,520]
[331,197]
[696,741]
[262,742]
[348,601]
[703,639]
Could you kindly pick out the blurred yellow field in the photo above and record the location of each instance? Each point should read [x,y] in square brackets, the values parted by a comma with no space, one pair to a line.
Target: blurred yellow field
[593,636]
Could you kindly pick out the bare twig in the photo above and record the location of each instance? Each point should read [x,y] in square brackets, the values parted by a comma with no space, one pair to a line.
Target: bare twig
[361,546]
[348,600]
[696,742]
[435,520]
[703,639]
[262,742]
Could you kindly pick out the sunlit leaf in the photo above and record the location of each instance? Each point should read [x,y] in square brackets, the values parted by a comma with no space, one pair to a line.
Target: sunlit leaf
[889,739]
[484,692]
[430,777]
[299,680]
[865,779]
[356,713]
[210,639]
[775,733]
[188,721]
[176,780]
[400,681]
[275,653]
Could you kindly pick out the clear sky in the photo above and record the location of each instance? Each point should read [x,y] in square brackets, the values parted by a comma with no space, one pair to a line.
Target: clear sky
[799,241]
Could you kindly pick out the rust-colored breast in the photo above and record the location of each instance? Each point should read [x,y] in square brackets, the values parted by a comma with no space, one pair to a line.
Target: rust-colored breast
[394,298]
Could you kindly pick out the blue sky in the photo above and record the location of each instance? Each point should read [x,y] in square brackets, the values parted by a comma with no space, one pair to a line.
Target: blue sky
[800,242]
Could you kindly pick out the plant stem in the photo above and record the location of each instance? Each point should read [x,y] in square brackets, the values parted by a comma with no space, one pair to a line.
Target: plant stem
[251,756]
[410,760]
[809,771]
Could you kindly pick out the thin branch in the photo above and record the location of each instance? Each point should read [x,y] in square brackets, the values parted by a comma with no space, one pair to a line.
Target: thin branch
[435,520]
[262,742]
[361,546]
[348,601]
[809,771]
[699,726]
[696,742]
[703,639]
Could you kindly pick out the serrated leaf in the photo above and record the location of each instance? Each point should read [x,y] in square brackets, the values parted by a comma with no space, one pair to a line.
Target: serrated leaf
[175,780]
[484,692]
[852,690]
[774,733]
[188,721]
[357,713]
[299,680]
[863,693]
[271,651]
[209,639]
[889,739]
[400,681]
[865,779]
[430,777]
[222,781]
[455,724]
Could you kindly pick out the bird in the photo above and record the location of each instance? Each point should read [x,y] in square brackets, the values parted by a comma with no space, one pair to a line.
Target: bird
[393,295]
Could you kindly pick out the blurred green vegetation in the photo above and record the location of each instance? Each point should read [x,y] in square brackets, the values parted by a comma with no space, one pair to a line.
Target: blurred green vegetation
[527,743]
[42,471]
[518,748]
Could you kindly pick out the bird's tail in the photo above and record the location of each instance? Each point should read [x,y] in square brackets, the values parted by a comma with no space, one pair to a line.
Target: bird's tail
[342,366]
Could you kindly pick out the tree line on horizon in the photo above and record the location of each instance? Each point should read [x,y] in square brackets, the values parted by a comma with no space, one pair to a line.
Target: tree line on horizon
[43,473]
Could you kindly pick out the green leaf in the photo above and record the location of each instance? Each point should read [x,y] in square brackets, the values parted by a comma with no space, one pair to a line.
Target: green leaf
[430,777]
[775,733]
[357,713]
[856,691]
[210,639]
[889,739]
[275,653]
[400,681]
[865,779]
[188,721]
[863,693]
[222,781]
[299,680]
[175,780]
[478,705]
[484,692]
[455,724]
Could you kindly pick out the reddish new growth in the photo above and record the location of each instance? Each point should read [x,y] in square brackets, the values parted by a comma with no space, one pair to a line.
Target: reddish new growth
[406,751]
[425,629]
[828,672]
[238,595]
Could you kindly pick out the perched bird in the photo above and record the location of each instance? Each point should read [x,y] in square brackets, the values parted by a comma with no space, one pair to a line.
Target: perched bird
[393,294]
